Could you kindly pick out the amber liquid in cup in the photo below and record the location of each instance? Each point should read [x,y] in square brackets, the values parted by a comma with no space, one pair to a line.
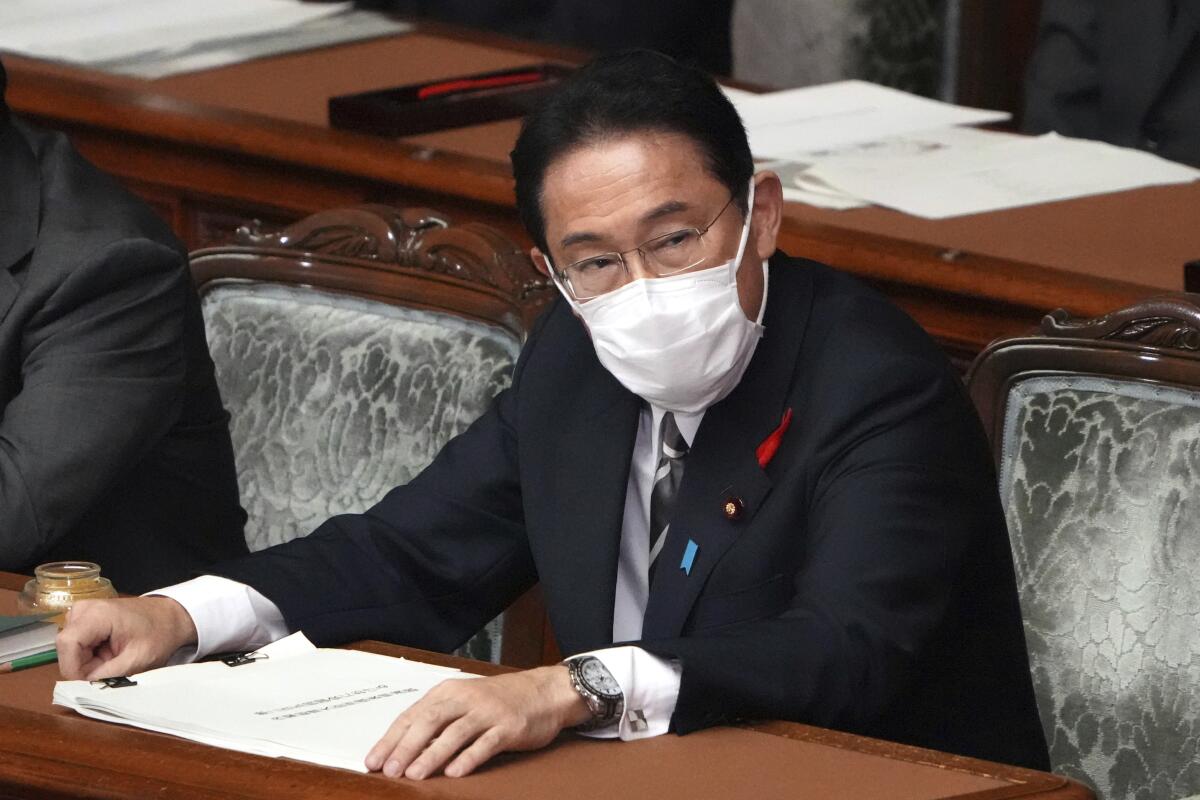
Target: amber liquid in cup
[60,584]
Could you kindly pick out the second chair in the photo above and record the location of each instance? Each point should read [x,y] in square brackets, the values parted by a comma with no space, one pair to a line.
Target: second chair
[349,347]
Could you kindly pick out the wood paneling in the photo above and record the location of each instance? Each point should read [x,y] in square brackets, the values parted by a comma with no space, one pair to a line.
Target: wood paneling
[250,141]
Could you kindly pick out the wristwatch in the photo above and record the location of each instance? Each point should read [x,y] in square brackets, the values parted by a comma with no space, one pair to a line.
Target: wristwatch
[598,689]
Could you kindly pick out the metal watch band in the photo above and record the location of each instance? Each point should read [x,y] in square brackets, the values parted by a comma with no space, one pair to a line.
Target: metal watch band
[605,710]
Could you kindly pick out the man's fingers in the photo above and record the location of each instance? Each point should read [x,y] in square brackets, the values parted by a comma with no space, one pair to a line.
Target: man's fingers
[80,671]
[376,758]
[443,748]
[489,744]
[73,662]
[105,638]
[383,748]
[475,719]
[426,724]
[78,642]
[128,662]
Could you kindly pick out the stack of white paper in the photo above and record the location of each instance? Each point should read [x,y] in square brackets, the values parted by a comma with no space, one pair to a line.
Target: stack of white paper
[99,31]
[808,182]
[803,124]
[322,706]
[969,172]
[350,26]
[851,144]
[793,129]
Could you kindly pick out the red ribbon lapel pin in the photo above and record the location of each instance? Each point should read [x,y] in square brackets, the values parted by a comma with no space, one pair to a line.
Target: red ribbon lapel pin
[766,450]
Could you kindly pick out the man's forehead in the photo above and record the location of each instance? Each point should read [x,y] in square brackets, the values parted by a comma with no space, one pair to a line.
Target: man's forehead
[640,177]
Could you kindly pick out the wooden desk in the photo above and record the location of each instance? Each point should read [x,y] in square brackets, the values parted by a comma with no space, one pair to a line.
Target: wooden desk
[212,149]
[51,752]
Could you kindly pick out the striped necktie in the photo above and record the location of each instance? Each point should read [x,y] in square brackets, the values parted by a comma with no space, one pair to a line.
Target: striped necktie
[667,476]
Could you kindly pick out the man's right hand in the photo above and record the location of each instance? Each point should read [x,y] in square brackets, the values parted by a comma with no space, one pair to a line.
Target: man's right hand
[107,638]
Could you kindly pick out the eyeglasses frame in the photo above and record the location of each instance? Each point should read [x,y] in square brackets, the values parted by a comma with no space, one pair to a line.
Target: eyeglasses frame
[620,255]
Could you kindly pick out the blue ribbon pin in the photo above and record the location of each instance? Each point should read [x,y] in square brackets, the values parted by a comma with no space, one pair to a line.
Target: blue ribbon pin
[689,555]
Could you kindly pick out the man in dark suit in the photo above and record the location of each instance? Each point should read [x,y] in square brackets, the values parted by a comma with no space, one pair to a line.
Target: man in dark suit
[748,485]
[693,31]
[1126,73]
[114,445]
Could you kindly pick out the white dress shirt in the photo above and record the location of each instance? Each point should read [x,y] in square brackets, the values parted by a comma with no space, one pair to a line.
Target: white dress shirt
[232,616]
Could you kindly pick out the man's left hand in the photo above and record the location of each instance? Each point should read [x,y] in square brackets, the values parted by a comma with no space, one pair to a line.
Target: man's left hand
[470,721]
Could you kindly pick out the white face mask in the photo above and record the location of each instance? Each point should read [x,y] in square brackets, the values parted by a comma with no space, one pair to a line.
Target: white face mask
[681,343]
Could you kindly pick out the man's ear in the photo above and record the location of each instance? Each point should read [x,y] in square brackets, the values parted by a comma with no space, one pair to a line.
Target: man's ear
[768,213]
[539,261]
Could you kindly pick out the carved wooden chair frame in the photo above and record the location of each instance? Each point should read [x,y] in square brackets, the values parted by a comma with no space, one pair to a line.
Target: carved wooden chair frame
[413,257]
[1156,341]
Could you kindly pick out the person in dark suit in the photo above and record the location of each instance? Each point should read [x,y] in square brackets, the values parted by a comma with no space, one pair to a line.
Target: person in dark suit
[693,31]
[1126,73]
[748,485]
[114,445]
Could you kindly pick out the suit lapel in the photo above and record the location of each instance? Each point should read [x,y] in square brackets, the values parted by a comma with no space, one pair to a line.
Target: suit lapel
[722,465]
[20,202]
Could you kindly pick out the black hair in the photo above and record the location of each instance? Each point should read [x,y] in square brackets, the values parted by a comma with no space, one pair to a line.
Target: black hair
[623,93]
[3,86]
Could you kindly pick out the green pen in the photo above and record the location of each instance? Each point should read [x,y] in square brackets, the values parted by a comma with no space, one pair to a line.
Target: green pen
[35,660]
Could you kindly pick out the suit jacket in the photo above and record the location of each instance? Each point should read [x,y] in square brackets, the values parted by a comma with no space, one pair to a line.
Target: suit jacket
[692,31]
[114,445]
[866,585]
[1124,72]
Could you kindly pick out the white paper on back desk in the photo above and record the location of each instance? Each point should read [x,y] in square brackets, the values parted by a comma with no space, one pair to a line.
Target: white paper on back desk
[311,704]
[793,129]
[958,171]
[805,124]
[94,31]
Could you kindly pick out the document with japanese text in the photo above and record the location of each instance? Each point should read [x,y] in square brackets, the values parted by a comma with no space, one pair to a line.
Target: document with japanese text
[323,706]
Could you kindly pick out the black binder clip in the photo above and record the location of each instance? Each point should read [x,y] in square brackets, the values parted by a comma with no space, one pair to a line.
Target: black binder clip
[115,683]
[238,659]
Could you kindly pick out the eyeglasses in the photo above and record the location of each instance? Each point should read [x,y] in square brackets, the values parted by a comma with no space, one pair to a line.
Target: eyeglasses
[668,254]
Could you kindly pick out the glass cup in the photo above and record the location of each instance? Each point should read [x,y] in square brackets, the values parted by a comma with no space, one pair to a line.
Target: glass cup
[58,585]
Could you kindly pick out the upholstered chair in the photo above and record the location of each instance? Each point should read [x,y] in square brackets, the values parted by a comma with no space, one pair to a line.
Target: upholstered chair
[1096,429]
[349,347]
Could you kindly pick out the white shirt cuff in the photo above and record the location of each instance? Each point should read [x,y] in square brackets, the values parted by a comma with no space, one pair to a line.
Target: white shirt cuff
[228,616]
[651,688]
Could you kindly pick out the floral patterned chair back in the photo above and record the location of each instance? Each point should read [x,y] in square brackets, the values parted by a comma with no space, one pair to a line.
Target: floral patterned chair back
[1096,430]
[349,348]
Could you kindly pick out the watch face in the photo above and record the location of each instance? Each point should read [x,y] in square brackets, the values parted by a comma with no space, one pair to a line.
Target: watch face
[599,678]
